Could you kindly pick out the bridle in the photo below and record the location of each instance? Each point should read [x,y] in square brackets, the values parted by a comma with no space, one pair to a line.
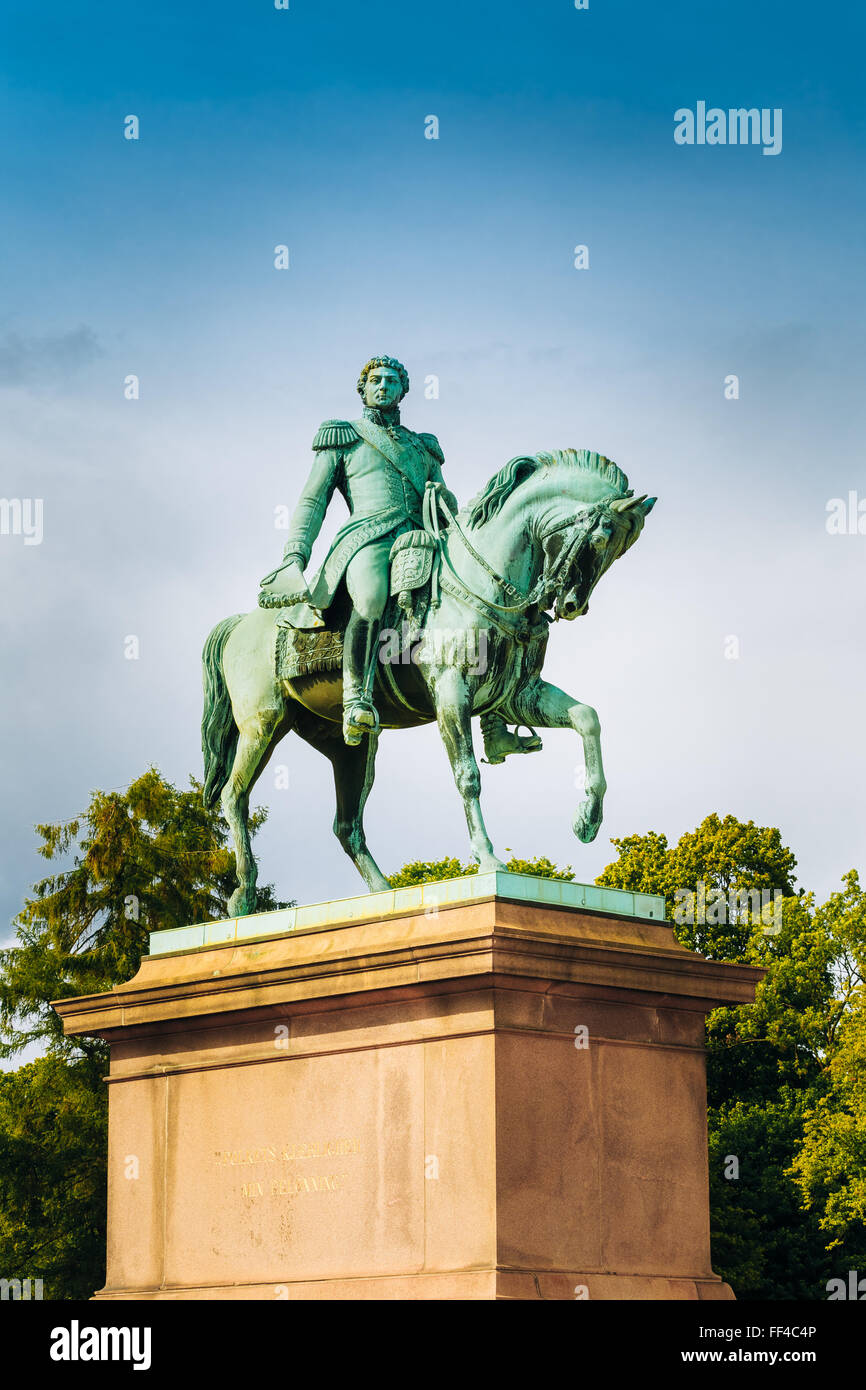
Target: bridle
[550,584]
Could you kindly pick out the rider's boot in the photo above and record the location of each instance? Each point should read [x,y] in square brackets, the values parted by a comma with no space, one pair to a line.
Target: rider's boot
[499,741]
[360,716]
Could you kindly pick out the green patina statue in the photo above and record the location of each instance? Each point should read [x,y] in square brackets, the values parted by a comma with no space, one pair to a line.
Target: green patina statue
[421,611]
[382,470]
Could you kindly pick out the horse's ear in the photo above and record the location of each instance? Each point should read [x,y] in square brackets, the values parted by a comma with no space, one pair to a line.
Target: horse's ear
[629,502]
[647,505]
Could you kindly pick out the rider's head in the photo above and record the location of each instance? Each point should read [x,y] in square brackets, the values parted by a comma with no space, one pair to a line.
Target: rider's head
[383,383]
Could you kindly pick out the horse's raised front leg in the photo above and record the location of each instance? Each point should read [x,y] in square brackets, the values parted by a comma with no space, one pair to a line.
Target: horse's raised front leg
[453,703]
[551,708]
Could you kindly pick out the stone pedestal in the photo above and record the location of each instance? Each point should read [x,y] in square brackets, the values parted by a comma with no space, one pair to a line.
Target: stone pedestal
[486,1099]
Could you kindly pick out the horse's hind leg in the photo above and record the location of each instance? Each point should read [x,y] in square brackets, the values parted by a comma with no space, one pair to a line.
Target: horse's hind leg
[354,769]
[353,779]
[256,738]
[546,706]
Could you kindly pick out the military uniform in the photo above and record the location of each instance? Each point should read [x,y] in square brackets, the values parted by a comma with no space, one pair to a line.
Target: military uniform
[381,470]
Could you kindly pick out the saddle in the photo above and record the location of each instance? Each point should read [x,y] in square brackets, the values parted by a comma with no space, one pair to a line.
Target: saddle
[304,652]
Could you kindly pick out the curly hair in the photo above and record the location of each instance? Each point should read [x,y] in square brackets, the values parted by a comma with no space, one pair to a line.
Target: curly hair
[383,362]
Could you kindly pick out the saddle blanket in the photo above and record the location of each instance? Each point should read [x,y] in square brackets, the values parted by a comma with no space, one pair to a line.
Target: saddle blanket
[302,653]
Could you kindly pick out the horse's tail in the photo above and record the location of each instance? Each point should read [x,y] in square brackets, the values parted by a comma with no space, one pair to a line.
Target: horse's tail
[219,732]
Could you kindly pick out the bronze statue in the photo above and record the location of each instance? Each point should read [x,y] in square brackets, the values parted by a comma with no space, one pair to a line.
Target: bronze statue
[460,629]
[382,469]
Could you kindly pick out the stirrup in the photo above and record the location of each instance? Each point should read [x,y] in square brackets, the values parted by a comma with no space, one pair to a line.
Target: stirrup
[354,728]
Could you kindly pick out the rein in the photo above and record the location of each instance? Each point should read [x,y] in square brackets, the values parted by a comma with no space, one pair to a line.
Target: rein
[546,582]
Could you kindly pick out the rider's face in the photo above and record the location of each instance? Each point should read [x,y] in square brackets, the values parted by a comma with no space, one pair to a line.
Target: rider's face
[383,388]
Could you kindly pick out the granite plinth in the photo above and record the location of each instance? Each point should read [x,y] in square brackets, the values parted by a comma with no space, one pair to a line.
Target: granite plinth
[485,1099]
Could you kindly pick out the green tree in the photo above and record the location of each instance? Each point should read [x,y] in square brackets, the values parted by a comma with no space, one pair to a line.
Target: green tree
[769,1064]
[147,858]
[830,1165]
[134,862]
[53,1138]
[726,856]
[763,1243]
[433,871]
[539,867]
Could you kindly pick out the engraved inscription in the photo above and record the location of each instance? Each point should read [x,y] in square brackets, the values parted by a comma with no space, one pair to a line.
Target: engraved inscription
[287,1153]
[292,1184]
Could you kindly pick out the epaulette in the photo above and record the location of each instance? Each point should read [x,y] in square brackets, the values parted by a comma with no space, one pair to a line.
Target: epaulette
[432,445]
[335,434]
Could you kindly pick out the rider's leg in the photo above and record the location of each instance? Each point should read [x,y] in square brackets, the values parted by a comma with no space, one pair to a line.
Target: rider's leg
[499,741]
[367,582]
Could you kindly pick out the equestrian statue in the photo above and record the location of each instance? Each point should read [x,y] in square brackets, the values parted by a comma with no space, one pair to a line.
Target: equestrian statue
[421,611]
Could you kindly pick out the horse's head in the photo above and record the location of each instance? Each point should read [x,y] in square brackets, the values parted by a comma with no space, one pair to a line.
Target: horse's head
[575,504]
[578,550]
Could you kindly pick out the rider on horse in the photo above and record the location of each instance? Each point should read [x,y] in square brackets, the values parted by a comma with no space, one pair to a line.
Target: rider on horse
[381,469]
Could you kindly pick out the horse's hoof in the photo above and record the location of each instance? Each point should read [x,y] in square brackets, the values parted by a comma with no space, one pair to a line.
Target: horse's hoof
[238,904]
[587,824]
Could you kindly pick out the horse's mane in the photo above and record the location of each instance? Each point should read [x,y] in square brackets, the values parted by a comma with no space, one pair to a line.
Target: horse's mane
[502,484]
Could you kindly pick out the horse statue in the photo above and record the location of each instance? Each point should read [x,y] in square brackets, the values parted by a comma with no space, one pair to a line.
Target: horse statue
[538,537]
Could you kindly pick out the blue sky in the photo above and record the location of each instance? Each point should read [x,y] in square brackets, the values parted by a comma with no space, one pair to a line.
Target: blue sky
[306,127]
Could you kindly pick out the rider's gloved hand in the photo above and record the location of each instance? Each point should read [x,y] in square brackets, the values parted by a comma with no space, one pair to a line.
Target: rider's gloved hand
[447,496]
[287,578]
[288,583]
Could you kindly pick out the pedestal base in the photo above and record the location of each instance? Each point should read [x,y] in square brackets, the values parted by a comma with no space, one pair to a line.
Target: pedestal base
[499,1100]
[451,1285]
